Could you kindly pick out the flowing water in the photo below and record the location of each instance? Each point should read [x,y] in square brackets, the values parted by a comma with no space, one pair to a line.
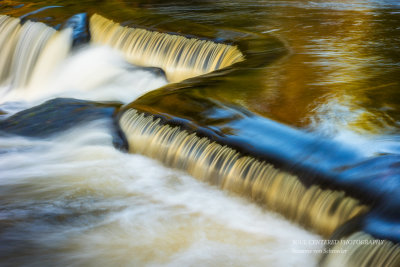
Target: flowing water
[287,106]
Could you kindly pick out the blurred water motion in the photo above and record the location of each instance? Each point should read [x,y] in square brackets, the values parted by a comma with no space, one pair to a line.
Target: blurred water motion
[73,199]
[327,67]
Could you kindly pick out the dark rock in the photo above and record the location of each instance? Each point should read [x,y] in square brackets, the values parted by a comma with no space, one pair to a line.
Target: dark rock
[58,115]
[80,26]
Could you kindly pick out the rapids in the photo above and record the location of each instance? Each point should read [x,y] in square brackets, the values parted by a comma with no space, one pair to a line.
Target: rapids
[199,133]
[71,198]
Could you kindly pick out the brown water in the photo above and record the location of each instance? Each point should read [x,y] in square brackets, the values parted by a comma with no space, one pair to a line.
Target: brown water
[342,66]
[329,67]
[342,63]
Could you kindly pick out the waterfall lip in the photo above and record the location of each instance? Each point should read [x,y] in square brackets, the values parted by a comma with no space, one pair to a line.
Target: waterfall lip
[336,176]
[361,231]
[244,147]
[43,58]
[372,191]
[248,48]
[355,179]
[250,55]
[247,147]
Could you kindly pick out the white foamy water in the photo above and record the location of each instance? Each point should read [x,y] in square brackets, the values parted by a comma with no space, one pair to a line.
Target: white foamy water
[37,64]
[74,199]
[92,73]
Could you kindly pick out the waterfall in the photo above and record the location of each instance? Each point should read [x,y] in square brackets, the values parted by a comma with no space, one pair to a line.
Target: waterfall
[36,62]
[178,56]
[361,249]
[9,33]
[29,51]
[321,210]
[325,211]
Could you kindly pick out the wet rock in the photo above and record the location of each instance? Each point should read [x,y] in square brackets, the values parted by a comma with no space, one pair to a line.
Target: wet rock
[58,115]
[80,28]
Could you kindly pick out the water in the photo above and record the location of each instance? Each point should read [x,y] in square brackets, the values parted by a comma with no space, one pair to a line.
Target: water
[341,51]
[321,210]
[329,68]
[42,68]
[181,58]
[74,199]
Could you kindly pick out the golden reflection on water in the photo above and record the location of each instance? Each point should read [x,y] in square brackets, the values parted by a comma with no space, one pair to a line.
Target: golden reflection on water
[342,54]
[341,68]
[335,65]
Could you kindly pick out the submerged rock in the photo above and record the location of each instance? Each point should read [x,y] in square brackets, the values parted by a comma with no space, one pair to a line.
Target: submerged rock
[58,115]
